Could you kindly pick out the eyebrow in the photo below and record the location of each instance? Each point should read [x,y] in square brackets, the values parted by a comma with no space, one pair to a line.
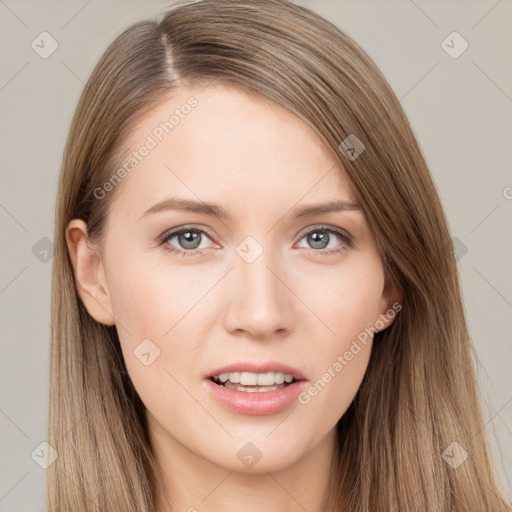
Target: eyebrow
[202,207]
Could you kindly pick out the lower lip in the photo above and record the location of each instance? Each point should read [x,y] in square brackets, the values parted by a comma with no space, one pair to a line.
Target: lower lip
[257,403]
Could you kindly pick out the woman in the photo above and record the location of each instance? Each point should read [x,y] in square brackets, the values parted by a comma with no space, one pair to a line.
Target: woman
[255,301]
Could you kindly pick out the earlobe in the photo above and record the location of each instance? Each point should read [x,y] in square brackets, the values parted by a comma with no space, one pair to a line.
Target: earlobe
[391,304]
[89,274]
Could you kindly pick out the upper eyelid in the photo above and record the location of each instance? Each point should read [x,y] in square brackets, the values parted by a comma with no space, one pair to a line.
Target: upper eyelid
[170,233]
[319,227]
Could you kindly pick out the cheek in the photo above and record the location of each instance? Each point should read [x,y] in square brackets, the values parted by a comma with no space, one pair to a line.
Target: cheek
[149,298]
[329,395]
[346,301]
[154,330]
[158,311]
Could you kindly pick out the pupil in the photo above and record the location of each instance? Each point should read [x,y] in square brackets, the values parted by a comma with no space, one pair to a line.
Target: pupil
[188,240]
[318,240]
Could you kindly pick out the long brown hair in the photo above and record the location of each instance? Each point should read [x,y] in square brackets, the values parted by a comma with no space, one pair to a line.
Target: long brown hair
[419,394]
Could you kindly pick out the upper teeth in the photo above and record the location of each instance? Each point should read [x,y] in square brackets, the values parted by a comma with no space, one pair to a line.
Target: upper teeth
[253,379]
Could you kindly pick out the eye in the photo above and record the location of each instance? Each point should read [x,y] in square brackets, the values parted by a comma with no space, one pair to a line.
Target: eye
[189,240]
[320,238]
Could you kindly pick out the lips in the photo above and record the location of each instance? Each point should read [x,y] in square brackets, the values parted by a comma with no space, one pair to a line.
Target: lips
[253,367]
[257,403]
[260,401]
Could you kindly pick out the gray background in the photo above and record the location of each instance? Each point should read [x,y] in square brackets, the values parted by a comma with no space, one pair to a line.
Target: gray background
[460,109]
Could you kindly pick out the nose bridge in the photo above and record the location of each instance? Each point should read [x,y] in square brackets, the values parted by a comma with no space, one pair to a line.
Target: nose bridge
[258,304]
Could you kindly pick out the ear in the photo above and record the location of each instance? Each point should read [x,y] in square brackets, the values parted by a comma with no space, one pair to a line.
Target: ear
[89,273]
[390,304]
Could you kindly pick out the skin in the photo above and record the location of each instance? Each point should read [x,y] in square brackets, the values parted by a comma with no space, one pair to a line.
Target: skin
[292,304]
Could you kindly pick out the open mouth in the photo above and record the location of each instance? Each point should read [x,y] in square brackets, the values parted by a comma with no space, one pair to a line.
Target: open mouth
[255,394]
[250,388]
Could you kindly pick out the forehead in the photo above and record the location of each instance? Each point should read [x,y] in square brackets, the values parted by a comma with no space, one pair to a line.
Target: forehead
[219,143]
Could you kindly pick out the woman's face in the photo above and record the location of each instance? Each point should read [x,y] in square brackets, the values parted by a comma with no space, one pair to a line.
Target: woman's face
[267,283]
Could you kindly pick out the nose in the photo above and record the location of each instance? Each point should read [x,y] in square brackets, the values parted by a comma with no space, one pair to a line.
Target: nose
[259,300]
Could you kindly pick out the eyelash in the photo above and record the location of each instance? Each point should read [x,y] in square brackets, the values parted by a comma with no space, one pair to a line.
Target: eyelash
[168,235]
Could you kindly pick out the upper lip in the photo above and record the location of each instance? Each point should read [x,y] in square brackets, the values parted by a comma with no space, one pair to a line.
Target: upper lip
[253,367]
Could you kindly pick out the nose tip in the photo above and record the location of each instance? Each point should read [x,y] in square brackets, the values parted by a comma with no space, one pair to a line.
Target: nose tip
[258,303]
